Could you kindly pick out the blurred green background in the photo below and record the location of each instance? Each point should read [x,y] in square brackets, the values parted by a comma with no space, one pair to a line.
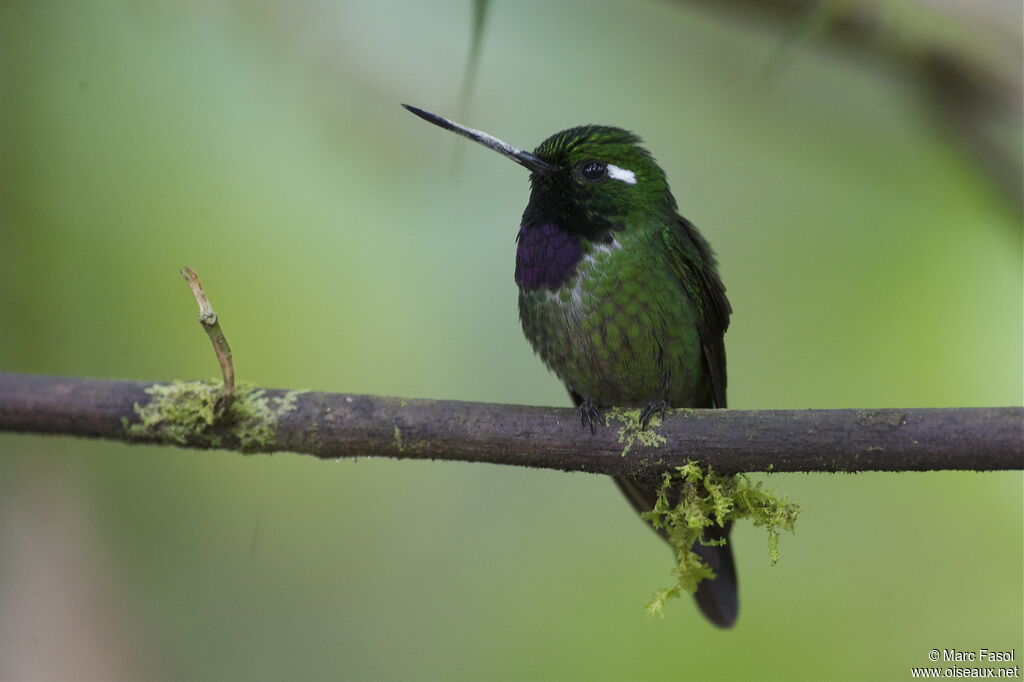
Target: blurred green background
[351,247]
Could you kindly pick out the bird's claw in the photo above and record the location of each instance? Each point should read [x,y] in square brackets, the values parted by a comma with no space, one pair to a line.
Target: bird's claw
[658,406]
[590,415]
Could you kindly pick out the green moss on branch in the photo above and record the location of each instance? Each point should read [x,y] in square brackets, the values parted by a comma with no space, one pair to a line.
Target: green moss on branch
[705,498]
[196,414]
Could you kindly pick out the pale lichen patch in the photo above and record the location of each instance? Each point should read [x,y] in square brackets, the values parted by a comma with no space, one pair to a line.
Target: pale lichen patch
[631,432]
[255,416]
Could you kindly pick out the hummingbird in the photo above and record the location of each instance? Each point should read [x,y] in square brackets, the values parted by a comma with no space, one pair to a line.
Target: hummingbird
[620,297]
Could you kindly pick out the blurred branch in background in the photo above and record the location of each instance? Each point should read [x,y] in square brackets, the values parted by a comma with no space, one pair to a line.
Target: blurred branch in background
[978,100]
[473,59]
[332,425]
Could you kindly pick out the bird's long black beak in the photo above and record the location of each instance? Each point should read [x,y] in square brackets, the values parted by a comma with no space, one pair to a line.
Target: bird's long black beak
[523,158]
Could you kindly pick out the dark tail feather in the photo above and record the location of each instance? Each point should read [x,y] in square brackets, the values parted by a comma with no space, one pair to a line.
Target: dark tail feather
[718,599]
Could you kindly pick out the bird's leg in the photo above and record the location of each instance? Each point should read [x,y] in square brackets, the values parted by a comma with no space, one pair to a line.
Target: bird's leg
[659,406]
[590,415]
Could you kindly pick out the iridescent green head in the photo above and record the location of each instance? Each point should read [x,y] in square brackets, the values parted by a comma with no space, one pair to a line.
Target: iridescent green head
[602,179]
[589,180]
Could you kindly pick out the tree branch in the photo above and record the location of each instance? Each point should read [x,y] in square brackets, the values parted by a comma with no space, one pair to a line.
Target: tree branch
[979,103]
[332,425]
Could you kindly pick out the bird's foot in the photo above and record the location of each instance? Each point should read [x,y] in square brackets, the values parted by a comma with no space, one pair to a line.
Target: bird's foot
[590,415]
[658,406]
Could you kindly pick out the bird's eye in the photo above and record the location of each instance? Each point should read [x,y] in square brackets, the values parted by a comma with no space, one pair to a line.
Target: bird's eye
[593,170]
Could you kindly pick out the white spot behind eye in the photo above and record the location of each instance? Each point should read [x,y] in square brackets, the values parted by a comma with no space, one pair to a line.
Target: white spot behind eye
[626,176]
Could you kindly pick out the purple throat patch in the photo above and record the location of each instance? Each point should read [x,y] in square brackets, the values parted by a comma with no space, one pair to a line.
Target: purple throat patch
[546,256]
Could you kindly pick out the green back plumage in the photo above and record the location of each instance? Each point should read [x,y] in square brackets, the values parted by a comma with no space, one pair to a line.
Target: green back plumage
[693,263]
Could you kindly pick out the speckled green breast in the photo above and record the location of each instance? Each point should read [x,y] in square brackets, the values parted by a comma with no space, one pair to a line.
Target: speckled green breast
[621,330]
